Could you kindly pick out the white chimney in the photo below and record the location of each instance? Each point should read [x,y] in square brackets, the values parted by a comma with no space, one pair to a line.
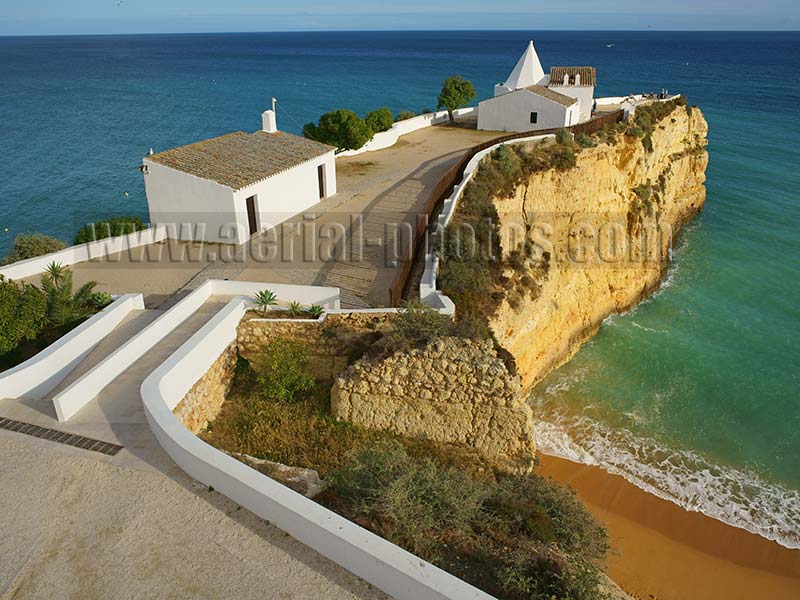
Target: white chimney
[268,121]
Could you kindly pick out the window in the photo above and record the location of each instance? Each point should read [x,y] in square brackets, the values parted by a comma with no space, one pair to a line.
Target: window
[534,117]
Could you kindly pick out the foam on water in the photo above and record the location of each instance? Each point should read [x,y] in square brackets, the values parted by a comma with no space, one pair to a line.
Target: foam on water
[736,496]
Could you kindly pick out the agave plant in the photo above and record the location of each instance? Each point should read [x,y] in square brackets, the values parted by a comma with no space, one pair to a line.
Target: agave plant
[295,308]
[265,300]
[315,311]
[64,306]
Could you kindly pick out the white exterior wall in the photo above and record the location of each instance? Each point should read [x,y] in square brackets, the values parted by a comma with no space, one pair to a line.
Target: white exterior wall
[206,207]
[512,112]
[583,94]
[286,194]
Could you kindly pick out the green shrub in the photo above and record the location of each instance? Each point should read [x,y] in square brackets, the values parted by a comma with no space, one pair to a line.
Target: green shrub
[456,92]
[508,162]
[379,120]
[585,141]
[416,325]
[405,114]
[524,535]
[23,313]
[564,159]
[563,136]
[31,245]
[109,228]
[281,370]
[100,300]
[343,129]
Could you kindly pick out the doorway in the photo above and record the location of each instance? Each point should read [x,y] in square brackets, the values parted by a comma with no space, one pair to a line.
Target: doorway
[251,215]
[321,178]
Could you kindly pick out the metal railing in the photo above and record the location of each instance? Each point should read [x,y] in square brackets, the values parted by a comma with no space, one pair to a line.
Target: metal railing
[449,181]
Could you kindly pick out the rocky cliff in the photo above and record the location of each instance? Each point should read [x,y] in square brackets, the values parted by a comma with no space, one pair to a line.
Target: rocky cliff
[594,240]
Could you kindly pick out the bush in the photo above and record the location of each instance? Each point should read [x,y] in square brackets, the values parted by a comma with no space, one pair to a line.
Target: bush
[405,114]
[585,141]
[31,245]
[563,136]
[564,159]
[63,305]
[456,92]
[281,370]
[524,535]
[416,325]
[109,228]
[342,129]
[508,162]
[380,120]
[23,313]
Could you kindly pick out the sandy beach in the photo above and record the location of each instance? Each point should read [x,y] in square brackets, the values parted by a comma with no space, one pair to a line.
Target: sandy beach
[661,551]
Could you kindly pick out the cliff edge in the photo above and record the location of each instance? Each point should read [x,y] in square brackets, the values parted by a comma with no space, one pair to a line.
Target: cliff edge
[601,234]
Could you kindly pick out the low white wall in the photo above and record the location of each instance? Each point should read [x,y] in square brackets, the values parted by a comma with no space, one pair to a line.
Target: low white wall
[427,288]
[386,139]
[84,252]
[82,391]
[37,376]
[386,566]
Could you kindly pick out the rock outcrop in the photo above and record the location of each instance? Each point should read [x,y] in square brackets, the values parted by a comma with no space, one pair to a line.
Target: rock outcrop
[452,390]
[605,229]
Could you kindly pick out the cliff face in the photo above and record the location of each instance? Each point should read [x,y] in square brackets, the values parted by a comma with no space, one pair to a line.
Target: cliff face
[602,232]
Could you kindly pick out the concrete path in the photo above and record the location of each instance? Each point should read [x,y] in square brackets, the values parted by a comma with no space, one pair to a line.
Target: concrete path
[375,190]
[82,524]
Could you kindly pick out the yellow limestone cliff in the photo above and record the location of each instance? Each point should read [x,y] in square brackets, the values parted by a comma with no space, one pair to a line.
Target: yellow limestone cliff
[602,232]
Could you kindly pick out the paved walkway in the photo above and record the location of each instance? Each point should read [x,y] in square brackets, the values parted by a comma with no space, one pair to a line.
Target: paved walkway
[85,525]
[375,189]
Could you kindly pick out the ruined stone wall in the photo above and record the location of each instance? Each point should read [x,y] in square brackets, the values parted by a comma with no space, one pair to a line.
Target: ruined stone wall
[452,390]
[203,402]
[332,344]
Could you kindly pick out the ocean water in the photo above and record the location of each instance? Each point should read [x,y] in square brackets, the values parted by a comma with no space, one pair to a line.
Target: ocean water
[692,395]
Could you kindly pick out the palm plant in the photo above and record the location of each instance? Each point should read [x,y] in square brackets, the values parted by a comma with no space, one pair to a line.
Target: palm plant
[315,311]
[64,306]
[265,300]
[295,308]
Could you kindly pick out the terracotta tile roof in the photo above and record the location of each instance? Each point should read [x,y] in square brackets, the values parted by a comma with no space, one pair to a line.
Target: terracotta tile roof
[588,75]
[545,92]
[239,159]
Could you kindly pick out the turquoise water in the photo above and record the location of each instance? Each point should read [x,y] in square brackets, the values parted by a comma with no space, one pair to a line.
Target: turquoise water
[693,395]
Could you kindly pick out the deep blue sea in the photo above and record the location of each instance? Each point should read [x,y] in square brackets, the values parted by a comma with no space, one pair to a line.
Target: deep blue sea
[693,395]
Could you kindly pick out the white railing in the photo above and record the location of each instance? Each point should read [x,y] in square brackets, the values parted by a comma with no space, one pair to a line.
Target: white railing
[83,252]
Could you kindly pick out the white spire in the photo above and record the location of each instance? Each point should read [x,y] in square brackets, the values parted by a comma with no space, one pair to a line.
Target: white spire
[527,72]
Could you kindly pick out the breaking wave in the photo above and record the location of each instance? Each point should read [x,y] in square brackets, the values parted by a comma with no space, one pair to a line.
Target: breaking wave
[736,496]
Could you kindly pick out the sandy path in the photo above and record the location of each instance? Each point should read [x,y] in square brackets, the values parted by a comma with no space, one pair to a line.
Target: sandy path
[78,527]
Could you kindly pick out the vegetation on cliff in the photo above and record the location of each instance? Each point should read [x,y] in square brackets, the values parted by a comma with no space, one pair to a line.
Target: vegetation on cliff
[514,536]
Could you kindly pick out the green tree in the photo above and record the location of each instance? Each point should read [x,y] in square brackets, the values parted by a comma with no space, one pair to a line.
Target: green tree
[456,92]
[380,120]
[31,245]
[342,128]
[23,313]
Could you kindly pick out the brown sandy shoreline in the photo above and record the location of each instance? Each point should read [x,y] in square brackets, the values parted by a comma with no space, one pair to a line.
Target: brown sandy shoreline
[661,551]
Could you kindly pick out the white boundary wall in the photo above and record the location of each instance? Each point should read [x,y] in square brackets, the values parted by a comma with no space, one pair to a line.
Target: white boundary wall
[386,139]
[37,376]
[85,389]
[388,567]
[427,287]
[84,252]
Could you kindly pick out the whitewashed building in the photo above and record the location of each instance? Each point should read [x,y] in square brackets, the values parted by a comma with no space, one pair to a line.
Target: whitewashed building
[529,99]
[228,188]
